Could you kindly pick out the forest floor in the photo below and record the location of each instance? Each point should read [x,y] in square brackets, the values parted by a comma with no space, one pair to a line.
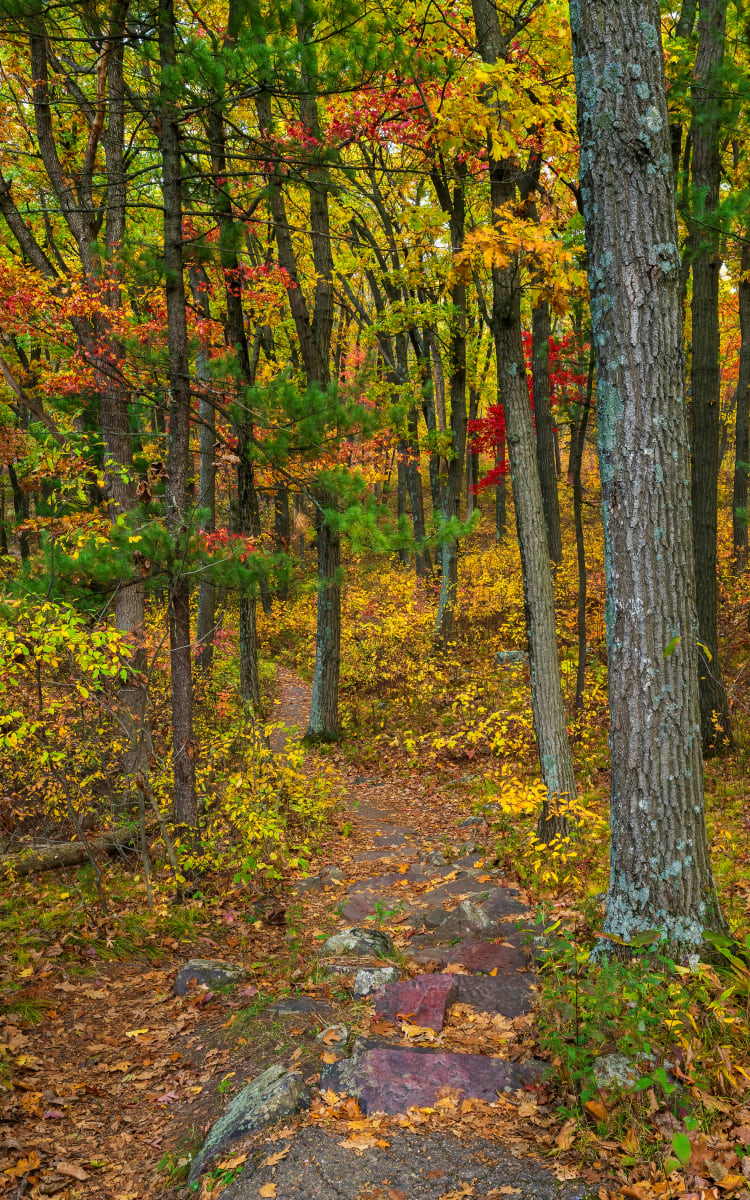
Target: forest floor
[117,1083]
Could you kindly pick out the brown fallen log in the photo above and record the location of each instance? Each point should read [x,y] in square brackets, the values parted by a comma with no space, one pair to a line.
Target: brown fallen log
[64,854]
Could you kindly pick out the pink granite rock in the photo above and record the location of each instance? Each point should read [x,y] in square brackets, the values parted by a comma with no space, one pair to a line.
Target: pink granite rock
[391,1080]
[421,1000]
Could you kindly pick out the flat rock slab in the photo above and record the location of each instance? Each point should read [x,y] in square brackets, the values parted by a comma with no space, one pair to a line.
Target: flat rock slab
[465,886]
[502,906]
[358,907]
[415,1166]
[509,995]
[207,972]
[421,1000]
[466,921]
[377,884]
[472,954]
[275,1094]
[391,1080]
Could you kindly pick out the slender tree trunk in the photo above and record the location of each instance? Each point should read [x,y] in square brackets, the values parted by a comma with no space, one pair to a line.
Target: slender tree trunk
[186,811]
[282,531]
[577,446]
[21,512]
[705,376]
[545,441]
[660,875]
[206,484]
[401,493]
[446,614]
[422,558]
[324,717]
[742,436]
[546,692]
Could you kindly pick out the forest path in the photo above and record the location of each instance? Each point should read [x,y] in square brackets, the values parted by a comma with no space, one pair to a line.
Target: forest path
[445,1049]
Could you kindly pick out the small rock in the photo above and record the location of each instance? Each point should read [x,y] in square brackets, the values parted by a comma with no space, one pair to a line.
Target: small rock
[359,941]
[340,969]
[470,821]
[372,979]
[275,1094]
[335,874]
[511,658]
[421,1000]
[207,972]
[435,918]
[616,1070]
[293,1006]
[436,859]
[334,1035]
[312,884]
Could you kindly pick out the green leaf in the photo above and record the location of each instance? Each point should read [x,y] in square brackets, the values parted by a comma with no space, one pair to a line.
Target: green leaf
[670,1165]
[672,646]
[646,938]
[682,1148]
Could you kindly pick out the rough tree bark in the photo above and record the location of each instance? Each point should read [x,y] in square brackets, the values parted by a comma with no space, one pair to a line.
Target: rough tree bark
[742,420]
[186,811]
[453,204]
[546,692]
[314,327]
[705,374]
[545,439]
[660,875]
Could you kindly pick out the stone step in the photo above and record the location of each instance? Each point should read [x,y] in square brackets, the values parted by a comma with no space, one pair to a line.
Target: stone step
[509,995]
[391,1080]
[472,954]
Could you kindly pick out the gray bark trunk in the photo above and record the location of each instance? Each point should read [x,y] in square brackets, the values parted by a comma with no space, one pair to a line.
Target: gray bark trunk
[186,811]
[742,428]
[660,875]
[545,440]
[546,692]
[206,626]
[324,708]
[705,375]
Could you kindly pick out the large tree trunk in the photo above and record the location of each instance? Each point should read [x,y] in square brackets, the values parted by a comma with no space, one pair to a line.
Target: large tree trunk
[546,692]
[660,875]
[186,811]
[742,427]
[705,375]
[545,440]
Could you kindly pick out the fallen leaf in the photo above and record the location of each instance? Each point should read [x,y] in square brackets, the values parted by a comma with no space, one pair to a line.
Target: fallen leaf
[268,1189]
[596,1109]
[364,1141]
[134,1033]
[731,1183]
[329,1057]
[72,1171]
[273,1159]
[566,1136]
[234,1160]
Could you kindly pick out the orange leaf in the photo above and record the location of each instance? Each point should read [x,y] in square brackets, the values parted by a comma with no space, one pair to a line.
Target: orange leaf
[268,1190]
